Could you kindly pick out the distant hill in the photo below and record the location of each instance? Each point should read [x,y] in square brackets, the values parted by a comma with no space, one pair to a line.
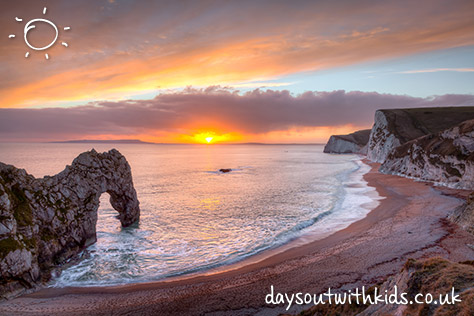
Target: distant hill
[101,141]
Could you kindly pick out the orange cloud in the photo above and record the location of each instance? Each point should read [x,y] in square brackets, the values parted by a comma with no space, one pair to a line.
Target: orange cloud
[129,51]
[193,115]
[308,135]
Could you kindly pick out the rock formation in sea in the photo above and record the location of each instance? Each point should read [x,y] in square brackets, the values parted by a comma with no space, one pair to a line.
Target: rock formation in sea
[446,157]
[44,222]
[352,143]
[395,127]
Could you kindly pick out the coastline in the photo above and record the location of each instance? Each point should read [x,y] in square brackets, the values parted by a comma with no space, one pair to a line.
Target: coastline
[358,199]
[408,223]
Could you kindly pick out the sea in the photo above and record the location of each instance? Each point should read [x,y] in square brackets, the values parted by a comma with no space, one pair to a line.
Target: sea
[194,218]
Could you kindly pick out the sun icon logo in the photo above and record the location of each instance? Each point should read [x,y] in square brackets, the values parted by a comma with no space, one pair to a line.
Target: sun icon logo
[30,25]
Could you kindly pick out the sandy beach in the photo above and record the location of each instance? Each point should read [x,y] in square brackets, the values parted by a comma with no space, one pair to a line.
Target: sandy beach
[237,158]
[409,223]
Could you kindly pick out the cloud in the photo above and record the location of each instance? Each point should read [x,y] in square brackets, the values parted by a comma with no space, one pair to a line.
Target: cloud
[224,110]
[262,84]
[128,47]
[436,70]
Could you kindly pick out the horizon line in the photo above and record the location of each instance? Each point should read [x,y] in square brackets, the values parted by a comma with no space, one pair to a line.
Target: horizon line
[139,142]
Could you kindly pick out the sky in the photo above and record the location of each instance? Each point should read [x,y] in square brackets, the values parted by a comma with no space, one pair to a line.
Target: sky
[238,71]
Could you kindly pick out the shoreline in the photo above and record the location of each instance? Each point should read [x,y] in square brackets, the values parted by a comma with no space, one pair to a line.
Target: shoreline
[408,223]
[353,184]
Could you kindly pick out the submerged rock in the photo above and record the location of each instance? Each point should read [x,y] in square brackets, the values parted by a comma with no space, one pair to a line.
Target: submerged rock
[351,143]
[44,222]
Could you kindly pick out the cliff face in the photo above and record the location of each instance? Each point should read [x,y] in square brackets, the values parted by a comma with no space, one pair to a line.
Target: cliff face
[393,128]
[352,143]
[446,157]
[44,222]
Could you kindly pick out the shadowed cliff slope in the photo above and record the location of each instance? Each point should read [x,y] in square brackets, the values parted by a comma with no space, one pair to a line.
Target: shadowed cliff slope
[44,222]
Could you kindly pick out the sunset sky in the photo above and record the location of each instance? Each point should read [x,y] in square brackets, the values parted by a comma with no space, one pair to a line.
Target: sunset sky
[241,71]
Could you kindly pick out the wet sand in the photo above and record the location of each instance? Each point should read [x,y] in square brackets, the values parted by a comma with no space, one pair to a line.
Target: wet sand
[409,223]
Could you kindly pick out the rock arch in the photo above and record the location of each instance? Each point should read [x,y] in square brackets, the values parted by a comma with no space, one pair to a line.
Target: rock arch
[44,222]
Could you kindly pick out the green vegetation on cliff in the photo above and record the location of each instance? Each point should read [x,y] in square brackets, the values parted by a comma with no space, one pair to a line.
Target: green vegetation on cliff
[434,276]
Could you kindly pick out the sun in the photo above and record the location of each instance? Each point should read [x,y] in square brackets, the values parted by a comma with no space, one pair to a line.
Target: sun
[205,138]
[30,25]
[208,137]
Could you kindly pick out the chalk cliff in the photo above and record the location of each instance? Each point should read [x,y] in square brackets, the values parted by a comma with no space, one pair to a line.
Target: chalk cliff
[352,143]
[44,222]
[446,158]
[393,128]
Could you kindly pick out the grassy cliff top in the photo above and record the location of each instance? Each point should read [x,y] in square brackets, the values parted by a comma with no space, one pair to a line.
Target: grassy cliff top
[437,119]
[359,137]
[417,122]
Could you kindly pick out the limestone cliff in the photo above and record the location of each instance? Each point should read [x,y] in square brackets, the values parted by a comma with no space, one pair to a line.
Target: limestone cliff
[352,143]
[44,222]
[446,158]
[395,127]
